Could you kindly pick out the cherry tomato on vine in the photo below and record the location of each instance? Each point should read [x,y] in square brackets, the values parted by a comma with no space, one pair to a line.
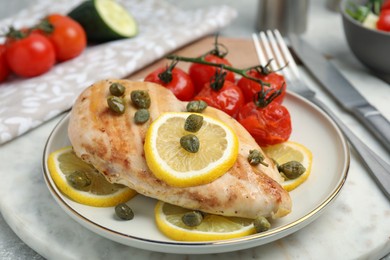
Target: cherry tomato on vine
[66,35]
[268,125]
[174,79]
[202,74]
[383,23]
[29,55]
[228,97]
[250,88]
[4,69]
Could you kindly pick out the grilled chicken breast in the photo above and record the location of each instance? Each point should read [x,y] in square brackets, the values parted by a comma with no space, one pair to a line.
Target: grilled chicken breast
[114,145]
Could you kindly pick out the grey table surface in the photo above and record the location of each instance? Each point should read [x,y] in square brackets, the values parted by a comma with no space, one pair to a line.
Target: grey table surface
[11,246]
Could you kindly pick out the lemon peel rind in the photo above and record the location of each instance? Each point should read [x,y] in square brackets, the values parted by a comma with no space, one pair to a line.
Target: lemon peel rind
[291,185]
[179,234]
[172,177]
[82,197]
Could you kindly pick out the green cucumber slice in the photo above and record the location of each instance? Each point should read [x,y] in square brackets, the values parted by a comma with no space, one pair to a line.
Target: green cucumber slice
[104,20]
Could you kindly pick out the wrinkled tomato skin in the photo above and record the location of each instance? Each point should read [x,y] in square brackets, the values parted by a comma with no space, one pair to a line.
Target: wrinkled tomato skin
[383,23]
[68,37]
[202,74]
[30,56]
[181,84]
[4,69]
[268,126]
[228,99]
[250,88]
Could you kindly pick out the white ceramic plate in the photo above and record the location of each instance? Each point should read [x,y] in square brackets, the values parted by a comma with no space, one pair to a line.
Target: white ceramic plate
[311,127]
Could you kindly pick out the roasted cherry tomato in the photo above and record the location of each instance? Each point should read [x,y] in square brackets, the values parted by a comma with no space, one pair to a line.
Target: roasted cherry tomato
[174,79]
[4,69]
[250,88]
[269,125]
[28,54]
[384,20]
[202,74]
[222,94]
[66,35]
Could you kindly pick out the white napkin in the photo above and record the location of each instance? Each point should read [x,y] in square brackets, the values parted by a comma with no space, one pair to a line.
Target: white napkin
[27,103]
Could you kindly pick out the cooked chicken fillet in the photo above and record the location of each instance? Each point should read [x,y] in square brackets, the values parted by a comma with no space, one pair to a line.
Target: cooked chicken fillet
[114,145]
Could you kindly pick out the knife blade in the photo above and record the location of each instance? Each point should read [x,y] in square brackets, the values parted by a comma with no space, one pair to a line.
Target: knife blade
[342,90]
[385,78]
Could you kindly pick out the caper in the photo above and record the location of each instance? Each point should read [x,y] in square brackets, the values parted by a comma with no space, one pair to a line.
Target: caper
[116,104]
[124,212]
[261,224]
[255,157]
[193,123]
[196,106]
[141,116]
[140,98]
[190,143]
[192,219]
[292,169]
[117,89]
[78,180]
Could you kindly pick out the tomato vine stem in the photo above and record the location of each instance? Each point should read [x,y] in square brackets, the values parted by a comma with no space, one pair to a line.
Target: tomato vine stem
[201,60]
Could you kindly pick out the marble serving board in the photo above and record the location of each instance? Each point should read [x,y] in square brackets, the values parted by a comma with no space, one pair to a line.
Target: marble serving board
[356,225]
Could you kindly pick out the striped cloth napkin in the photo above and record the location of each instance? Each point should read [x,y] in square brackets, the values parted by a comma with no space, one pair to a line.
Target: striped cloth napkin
[27,103]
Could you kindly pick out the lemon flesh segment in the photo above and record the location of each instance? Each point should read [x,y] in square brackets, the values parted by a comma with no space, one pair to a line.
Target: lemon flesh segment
[100,193]
[213,227]
[291,151]
[177,167]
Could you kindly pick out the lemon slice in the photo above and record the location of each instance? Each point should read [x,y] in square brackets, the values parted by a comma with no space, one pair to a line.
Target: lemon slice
[177,167]
[99,193]
[291,151]
[213,227]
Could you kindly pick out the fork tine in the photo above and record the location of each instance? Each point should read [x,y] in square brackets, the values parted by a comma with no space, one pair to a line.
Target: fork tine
[267,49]
[277,55]
[271,45]
[259,51]
[288,57]
[282,61]
[279,58]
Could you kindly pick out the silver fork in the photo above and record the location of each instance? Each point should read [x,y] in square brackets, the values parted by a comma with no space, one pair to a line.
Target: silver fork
[272,46]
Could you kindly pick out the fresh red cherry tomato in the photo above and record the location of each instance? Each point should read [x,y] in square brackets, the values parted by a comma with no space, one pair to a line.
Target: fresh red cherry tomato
[29,55]
[4,69]
[202,74]
[385,5]
[384,20]
[66,35]
[228,97]
[250,88]
[174,79]
[269,125]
